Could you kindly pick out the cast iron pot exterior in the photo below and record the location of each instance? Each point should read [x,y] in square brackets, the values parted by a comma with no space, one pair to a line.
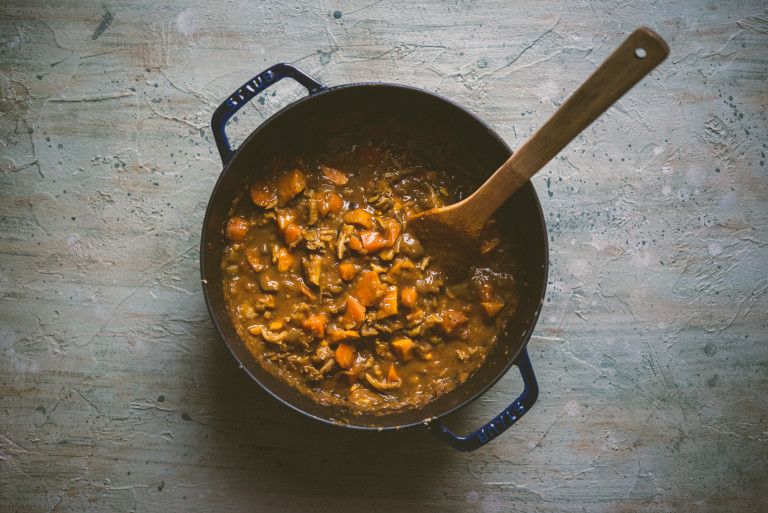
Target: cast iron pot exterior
[423,120]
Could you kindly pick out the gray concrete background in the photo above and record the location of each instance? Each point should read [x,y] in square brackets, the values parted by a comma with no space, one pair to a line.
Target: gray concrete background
[115,393]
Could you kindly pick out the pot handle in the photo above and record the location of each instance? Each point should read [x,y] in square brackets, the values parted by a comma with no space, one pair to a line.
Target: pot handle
[502,421]
[247,92]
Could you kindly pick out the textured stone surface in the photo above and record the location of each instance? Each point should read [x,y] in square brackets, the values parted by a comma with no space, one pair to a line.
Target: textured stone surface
[115,393]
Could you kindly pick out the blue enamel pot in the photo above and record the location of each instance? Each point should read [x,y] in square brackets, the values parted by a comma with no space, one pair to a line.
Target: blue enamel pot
[460,141]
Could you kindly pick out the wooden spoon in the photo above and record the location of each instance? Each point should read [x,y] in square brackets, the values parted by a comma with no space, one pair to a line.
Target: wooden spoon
[451,234]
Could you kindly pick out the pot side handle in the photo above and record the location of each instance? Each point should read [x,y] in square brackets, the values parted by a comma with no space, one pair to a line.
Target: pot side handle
[247,92]
[502,421]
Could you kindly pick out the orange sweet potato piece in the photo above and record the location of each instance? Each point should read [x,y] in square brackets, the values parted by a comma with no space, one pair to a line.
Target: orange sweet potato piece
[237,229]
[388,304]
[335,203]
[284,217]
[392,373]
[355,244]
[289,185]
[291,233]
[403,348]
[263,193]
[345,354]
[315,324]
[354,314]
[359,217]
[336,335]
[393,231]
[452,320]
[333,175]
[322,203]
[347,270]
[284,260]
[328,203]
[368,289]
[408,297]
[491,308]
[372,241]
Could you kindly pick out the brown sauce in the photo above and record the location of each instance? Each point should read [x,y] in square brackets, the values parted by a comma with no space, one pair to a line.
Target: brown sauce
[330,290]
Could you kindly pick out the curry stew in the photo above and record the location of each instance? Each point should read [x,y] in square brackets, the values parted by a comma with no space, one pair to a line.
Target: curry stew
[330,290]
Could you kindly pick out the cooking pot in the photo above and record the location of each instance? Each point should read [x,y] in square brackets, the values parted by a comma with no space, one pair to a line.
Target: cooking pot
[453,139]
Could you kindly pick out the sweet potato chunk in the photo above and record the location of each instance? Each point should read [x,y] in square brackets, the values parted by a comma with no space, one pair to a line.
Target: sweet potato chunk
[355,244]
[237,229]
[452,320]
[284,217]
[368,289]
[289,185]
[392,373]
[393,231]
[345,354]
[291,233]
[347,270]
[338,335]
[315,324]
[359,217]
[263,193]
[388,304]
[491,308]
[284,260]
[328,203]
[372,241]
[354,314]
[408,297]
[403,348]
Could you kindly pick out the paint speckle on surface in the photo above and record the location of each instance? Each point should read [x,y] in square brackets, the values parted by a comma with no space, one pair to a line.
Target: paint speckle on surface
[336,15]
[106,22]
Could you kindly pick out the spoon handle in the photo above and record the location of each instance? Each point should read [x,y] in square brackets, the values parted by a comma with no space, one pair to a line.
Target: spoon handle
[642,51]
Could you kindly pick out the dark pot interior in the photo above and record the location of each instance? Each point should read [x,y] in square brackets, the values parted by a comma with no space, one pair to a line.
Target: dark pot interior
[444,134]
